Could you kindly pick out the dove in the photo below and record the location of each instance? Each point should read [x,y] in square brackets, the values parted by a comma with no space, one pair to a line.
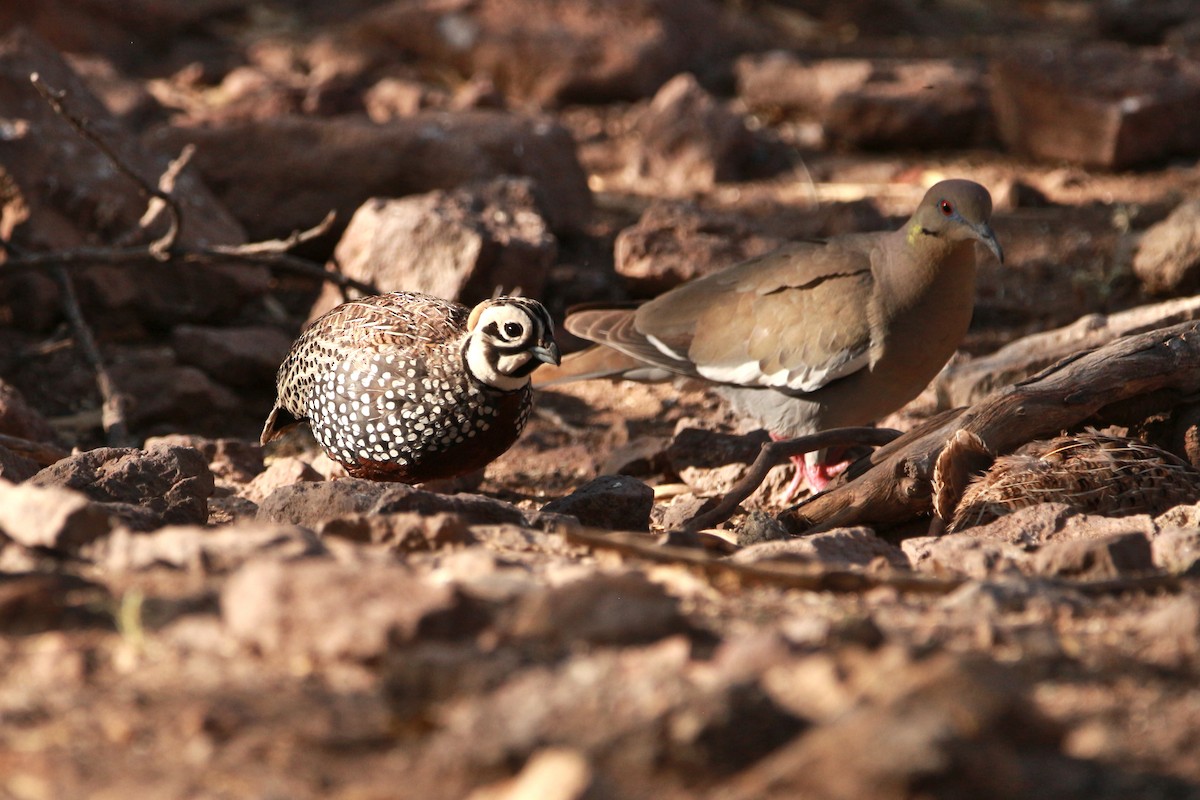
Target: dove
[812,336]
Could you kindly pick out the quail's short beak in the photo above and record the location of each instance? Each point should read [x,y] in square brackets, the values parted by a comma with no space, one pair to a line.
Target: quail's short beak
[984,233]
[547,353]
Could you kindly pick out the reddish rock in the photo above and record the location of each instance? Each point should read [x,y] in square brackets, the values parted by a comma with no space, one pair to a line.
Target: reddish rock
[676,513]
[874,104]
[283,471]
[696,447]
[913,105]
[201,549]
[396,97]
[550,774]
[245,93]
[1103,105]
[50,517]
[15,467]
[840,547]
[230,460]
[103,205]
[125,97]
[615,502]
[42,603]
[18,418]
[1167,260]
[781,80]
[324,610]
[688,140]
[1177,550]
[676,241]
[657,714]
[402,532]
[310,504]
[964,554]
[172,483]
[963,725]
[461,245]
[551,52]
[236,356]
[255,164]
[1099,558]
[108,26]
[644,455]
[163,392]
[603,610]
[1049,522]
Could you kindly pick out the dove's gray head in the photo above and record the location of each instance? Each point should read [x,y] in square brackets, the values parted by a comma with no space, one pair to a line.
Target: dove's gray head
[955,211]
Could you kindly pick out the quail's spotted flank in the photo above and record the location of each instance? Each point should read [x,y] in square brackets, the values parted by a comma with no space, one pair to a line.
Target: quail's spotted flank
[408,387]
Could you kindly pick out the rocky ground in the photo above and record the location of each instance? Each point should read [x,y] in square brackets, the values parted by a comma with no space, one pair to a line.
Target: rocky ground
[185,615]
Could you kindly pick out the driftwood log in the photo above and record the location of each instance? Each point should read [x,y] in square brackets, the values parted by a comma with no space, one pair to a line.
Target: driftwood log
[1153,370]
[968,382]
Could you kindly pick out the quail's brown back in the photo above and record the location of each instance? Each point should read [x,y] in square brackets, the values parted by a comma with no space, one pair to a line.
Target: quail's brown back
[386,389]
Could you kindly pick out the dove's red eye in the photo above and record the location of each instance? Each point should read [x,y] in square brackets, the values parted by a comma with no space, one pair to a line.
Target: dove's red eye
[946,207]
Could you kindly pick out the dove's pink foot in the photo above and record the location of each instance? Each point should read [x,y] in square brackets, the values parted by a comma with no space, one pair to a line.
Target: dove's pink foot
[817,475]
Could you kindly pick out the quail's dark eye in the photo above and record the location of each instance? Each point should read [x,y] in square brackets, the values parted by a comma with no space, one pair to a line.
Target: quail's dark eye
[946,208]
[513,329]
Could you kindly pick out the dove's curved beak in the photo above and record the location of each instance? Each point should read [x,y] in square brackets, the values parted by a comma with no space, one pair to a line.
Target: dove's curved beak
[985,234]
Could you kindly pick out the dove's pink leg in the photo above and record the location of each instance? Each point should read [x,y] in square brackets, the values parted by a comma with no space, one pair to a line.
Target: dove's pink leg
[817,474]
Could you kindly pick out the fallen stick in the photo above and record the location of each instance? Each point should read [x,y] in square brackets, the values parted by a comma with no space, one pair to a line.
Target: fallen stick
[775,453]
[775,573]
[159,247]
[114,402]
[272,253]
[821,578]
[965,383]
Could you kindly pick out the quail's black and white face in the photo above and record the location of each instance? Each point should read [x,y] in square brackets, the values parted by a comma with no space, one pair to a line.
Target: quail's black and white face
[507,339]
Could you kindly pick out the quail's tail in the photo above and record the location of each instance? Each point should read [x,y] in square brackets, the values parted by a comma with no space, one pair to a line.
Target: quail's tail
[278,422]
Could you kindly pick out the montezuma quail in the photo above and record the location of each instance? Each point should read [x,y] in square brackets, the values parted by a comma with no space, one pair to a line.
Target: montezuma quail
[1091,472]
[408,387]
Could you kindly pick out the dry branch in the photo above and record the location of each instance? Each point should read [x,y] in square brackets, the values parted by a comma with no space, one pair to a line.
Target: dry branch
[818,578]
[775,573]
[963,384]
[113,401]
[776,453]
[159,248]
[164,248]
[274,253]
[896,484]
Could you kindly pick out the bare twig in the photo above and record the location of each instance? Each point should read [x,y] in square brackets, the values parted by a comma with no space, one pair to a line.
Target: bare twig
[806,577]
[166,183]
[776,573]
[268,253]
[775,453]
[112,411]
[159,248]
[272,253]
[280,246]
